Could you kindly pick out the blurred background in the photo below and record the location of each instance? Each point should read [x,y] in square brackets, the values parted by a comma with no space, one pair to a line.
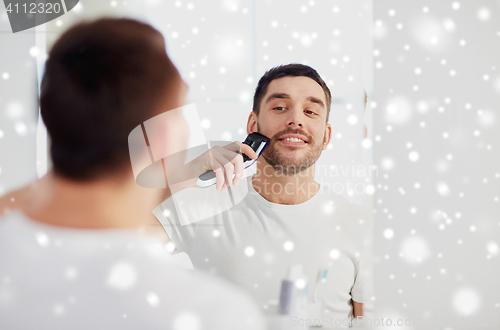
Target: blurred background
[436,143]
[429,167]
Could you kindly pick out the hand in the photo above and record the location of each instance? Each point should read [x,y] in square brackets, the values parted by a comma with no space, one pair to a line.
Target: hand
[224,161]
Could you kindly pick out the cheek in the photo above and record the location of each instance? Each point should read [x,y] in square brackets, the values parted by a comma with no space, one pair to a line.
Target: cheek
[320,136]
[268,127]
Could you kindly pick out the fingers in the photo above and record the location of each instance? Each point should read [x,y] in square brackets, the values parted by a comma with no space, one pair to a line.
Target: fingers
[227,162]
[239,170]
[212,165]
[246,149]
[238,162]
[226,166]
[231,162]
[219,174]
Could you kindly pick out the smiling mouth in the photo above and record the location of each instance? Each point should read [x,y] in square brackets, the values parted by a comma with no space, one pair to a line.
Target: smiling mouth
[293,141]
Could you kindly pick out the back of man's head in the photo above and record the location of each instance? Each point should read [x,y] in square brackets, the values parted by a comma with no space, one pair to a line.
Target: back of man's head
[101,80]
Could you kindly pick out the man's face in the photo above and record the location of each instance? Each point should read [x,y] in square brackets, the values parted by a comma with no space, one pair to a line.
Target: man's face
[293,114]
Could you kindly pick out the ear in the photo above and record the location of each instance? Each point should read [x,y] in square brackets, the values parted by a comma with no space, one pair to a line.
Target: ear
[328,135]
[252,123]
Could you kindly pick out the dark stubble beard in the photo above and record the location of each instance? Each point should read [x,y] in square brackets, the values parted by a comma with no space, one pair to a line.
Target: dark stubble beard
[286,165]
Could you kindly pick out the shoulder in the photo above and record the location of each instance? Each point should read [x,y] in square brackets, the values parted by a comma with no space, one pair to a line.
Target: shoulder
[356,217]
[345,206]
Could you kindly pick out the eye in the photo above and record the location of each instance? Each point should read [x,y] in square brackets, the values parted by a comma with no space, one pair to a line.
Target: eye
[279,108]
[310,112]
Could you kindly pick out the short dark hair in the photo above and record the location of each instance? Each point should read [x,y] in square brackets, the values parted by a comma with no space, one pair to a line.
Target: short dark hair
[101,80]
[294,70]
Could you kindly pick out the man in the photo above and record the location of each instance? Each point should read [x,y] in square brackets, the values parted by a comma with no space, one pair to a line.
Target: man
[71,252]
[287,218]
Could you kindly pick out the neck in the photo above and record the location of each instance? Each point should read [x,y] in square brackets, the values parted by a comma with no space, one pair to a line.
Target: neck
[280,188]
[92,205]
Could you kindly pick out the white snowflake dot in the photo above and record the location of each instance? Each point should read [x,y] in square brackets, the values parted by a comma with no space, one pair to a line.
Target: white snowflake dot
[413,156]
[466,301]
[249,251]
[71,273]
[443,189]
[300,283]
[170,247]
[492,248]
[152,299]
[288,246]
[352,119]
[59,309]
[334,254]
[388,233]
[370,189]
[122,276]
[206,123]
[42,239]
[34,51]
[483,14]
[187,321]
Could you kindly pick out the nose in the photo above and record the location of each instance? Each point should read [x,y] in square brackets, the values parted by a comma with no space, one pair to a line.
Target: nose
[294,119]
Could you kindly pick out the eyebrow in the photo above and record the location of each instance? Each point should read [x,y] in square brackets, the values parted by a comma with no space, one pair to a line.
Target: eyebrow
[286,96]
[316,100]
[277,96]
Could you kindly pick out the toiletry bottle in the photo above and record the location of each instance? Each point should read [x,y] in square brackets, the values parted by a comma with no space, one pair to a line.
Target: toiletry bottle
[287,293]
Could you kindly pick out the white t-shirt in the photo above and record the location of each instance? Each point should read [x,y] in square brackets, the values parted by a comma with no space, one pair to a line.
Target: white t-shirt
[60,278]
[254,243]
